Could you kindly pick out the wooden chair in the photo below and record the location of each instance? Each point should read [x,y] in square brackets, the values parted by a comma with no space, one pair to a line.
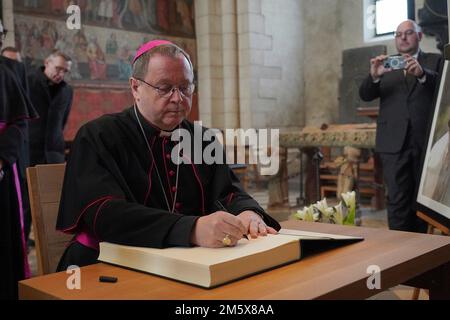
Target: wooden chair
[45,184]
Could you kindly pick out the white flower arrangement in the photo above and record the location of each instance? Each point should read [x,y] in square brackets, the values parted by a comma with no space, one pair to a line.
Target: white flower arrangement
[342,213]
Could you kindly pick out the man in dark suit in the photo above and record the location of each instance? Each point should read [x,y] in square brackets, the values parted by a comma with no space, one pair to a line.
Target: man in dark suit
[52,98]
[406,104]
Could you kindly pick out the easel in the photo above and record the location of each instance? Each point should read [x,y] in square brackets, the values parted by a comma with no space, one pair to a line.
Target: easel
[432,224]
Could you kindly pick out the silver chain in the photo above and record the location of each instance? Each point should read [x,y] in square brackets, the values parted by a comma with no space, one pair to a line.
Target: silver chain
[156,167]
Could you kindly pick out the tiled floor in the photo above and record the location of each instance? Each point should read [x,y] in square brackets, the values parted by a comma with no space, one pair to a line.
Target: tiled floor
[369,218]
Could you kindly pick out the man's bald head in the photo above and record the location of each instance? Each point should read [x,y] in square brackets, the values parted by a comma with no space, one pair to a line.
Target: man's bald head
[410,24]
[407,37]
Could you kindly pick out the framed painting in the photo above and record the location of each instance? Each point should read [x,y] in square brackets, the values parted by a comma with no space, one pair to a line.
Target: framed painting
[434,190]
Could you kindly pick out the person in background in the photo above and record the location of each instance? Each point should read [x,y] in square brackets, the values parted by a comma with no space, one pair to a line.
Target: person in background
[11,53]
[52,98]
[406,104]
[15,111]
[18,70]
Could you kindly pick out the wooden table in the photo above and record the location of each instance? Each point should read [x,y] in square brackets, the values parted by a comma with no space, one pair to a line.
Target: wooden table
[411,258]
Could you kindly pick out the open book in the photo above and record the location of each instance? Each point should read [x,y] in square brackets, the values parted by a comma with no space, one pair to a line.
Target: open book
[210,267]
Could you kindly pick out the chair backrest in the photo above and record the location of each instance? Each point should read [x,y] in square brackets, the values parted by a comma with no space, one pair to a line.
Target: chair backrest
[45,184]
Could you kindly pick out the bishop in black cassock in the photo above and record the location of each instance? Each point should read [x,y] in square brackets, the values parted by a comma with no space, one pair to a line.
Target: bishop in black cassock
[121,185]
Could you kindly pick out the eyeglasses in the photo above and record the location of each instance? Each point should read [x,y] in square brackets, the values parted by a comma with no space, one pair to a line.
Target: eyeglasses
[407,33]
[167,91]
[61,70]
[3,34]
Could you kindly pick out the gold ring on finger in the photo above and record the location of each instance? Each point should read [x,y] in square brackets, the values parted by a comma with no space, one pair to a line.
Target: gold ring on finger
[226,241]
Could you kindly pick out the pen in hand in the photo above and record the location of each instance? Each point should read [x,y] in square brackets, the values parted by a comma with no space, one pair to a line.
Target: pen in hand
[221,207]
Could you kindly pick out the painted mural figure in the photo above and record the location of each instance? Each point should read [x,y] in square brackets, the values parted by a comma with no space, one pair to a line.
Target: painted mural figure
[136,7]
[65,46]
[31,3]
[96,58]
[92,10]
[80,43]
[35,43]
[152,19]
[185,16]
[105,11]
[59,6]
[49,36]
[125,58]
[162,11]
[111,44]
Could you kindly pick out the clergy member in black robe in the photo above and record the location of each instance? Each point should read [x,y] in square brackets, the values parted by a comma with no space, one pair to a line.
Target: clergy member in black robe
[19,71]
[15,110]
[52,98]
[121,185]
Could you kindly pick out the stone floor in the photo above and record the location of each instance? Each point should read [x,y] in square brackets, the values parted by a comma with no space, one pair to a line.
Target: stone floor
[369,218]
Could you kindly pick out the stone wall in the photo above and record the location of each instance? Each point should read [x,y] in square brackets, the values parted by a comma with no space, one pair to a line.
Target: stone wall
[8,22]
[330,27]
[250,63]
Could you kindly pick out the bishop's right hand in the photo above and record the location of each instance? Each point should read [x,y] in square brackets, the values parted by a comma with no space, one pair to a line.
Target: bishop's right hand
[377,69]
[211,230]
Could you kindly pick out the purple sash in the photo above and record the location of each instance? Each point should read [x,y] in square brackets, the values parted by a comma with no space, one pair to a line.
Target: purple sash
[88,240]
[27,271]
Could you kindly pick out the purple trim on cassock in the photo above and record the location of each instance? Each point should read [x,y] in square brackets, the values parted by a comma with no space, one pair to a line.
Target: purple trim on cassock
[230,197]
[96,216]
[88,240]
[167,171]
[150,174]
[194,169]
[85,237]
[23,118]
[149,183]
[26,266]
[72,229]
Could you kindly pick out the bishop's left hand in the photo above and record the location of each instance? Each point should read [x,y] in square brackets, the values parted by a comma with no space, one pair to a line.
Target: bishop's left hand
[413,66]
[254,224]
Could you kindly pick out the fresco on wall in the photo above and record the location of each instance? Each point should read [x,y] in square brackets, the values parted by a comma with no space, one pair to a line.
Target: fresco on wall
[102,50]
[167,17]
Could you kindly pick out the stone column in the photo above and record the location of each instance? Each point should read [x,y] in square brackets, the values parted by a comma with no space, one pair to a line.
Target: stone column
[218,63]
[8,22]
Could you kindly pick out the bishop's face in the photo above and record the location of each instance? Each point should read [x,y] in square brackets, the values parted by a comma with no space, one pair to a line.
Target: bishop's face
[162,96]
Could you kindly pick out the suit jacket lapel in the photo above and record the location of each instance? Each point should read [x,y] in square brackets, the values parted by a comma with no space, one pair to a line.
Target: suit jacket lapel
[410,79]
[411,83]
